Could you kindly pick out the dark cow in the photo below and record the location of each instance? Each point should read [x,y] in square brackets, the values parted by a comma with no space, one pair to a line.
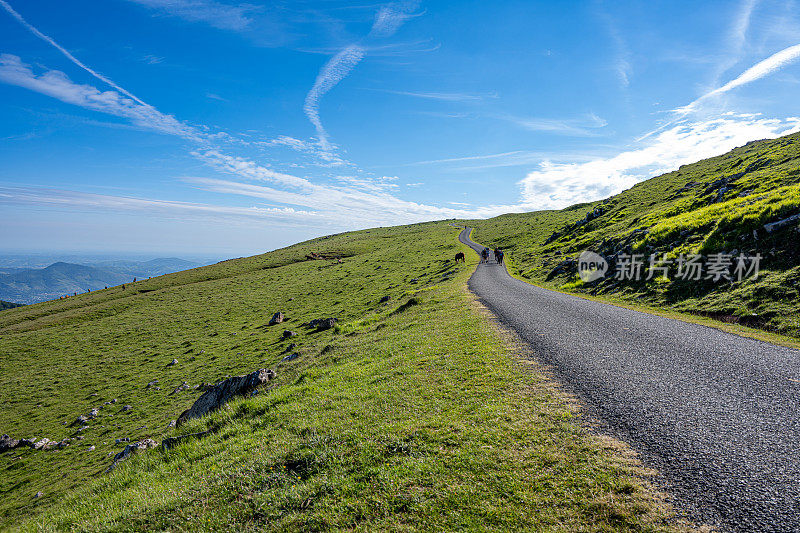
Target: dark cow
[460,257]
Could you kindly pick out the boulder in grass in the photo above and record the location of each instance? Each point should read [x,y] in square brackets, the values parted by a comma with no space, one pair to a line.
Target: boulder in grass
[277,318]
[287,334]
[7,443]
[290,357]
[80,421]
[131,449]
[218,395]
[322,323]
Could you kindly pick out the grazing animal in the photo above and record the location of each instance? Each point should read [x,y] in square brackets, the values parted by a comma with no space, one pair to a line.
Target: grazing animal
[460,257]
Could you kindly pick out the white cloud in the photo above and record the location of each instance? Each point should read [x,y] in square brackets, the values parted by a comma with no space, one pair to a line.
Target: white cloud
[556,185]
[56,84]
[448,97]
[66,54]
[59,198]
[580,127]
[234,17]
[760,70]
[388,20]
[334,71]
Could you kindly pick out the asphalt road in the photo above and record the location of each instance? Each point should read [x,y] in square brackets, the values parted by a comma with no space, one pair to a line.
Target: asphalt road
[717,414]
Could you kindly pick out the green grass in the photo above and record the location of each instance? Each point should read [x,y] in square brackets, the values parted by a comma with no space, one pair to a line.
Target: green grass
[713,206]
[416,414]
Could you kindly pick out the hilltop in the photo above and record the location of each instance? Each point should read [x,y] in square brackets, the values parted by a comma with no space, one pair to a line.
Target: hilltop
[744,202]
[413,412]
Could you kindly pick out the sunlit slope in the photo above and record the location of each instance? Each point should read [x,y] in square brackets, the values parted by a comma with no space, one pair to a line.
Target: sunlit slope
[718,205]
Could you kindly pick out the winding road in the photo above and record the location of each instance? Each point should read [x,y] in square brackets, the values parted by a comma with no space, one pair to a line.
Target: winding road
[717,414]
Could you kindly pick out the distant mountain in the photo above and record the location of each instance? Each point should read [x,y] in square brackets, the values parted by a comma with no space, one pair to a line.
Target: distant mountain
[33,285]
[144,269]
[8,305]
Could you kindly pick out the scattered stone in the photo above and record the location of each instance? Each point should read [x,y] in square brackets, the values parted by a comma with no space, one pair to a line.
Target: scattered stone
[44,444]
[120,441]
[7,443]
[173,362]
[222,392]
[90,449]
[38,495]
[94,413]
[30,443]
[322,323]
[414,280]
[131,449]
[171,442]
[153,384]
[113,400]
[127,407]
[277,318]
[171,424]
[80,437]
[781,223]
[385,299]
[80,421]
[182,387]
[287,334]
[291,299]
[64,443]
[290,357]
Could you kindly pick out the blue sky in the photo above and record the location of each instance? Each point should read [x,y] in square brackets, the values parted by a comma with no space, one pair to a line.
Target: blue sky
[218,127]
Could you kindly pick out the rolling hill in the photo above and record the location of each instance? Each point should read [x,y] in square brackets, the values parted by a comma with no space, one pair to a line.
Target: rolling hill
[744,202]
[413,413]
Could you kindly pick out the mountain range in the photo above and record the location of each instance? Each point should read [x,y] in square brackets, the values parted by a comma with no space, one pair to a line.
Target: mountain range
[31,285]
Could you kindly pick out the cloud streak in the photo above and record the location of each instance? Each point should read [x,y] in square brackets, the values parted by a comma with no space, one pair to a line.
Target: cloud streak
[56,84]
[216,14]
[5,5]
[387,21]
[334,71]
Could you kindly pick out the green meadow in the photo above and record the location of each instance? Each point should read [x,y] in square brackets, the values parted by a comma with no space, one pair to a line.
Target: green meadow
[417,413]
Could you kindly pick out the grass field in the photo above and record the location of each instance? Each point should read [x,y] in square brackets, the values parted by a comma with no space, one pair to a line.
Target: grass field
[719,205]
[414,414]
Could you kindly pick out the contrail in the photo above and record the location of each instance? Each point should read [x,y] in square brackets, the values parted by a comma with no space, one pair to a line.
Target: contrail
[761,69]
[61,49]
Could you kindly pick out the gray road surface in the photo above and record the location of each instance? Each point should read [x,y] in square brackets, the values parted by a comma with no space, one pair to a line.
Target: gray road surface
[715,413]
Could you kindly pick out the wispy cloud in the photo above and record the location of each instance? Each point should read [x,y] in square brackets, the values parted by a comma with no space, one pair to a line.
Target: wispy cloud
[448,97]
[586,126]
[334,71]
[556,185]
[56,84]
[758,71]
[66,54]
[81,200]
[504,159]
[388,20]
[223,16]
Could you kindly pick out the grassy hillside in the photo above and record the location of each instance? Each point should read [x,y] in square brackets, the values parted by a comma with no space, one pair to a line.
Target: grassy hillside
[8,305]
[719,205]
[411,414]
